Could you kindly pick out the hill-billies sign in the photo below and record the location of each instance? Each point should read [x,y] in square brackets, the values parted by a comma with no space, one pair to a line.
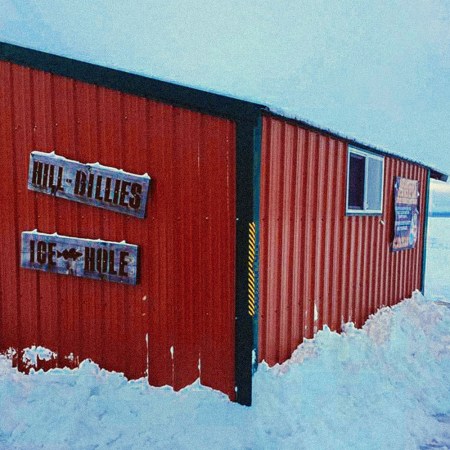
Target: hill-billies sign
[92,184]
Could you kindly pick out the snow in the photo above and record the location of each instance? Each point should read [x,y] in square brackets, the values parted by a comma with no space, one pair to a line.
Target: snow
[96,165]
[73,239]
[32,354]
[386,385]
[437,281]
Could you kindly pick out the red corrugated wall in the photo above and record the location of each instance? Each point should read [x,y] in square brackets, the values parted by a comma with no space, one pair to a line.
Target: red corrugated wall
[174,322]
[317,266]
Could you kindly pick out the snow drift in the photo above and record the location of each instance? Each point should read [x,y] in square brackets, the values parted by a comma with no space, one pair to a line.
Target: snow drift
[386,385]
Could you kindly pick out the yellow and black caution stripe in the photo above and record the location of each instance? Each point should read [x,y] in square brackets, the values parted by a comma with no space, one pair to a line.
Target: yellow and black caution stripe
[251,268]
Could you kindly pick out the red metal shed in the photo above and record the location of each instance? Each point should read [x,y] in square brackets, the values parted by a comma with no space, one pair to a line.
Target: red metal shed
[226,175]
[320,265]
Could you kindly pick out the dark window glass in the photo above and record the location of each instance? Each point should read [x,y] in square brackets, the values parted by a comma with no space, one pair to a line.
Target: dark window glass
[356,182]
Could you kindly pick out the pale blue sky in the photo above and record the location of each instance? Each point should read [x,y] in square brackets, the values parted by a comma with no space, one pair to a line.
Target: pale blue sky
[378,71]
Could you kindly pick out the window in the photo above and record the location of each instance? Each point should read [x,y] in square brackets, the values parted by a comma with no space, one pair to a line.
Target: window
[364,182]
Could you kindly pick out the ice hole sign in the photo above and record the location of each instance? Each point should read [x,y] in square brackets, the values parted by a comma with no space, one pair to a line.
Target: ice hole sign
[92,184]
[88,258]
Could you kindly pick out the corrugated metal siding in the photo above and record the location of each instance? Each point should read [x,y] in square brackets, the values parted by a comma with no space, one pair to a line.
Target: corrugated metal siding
[317,266]
[184,304]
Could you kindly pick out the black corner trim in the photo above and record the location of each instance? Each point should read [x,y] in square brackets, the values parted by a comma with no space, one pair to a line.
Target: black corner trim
[171,93]
[244,340]
[425,233]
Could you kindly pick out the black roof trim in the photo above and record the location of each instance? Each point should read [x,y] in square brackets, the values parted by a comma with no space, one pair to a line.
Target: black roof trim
[434,173]
[438,175]
[171,93]
[142,86]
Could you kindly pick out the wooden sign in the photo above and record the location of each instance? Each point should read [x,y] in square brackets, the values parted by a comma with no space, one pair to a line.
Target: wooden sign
[88,258]
[92,184]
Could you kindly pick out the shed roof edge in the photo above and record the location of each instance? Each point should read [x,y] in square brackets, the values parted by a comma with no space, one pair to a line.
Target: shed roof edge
[434,173]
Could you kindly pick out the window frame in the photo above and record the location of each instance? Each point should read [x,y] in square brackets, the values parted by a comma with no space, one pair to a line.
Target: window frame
[366,155]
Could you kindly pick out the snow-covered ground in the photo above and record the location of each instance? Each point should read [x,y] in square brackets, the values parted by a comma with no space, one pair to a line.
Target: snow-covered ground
[386,386]
[440,198]
[437,280]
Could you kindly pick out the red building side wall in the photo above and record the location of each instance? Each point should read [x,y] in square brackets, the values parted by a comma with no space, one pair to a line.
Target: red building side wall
[317,266]
[171,326]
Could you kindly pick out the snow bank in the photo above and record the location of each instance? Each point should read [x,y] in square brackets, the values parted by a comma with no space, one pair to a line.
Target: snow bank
[384,386]
[379,387]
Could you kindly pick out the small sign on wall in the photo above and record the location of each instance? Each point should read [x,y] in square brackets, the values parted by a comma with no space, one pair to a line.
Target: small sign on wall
[88,258]
[406,226]
[92,184]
